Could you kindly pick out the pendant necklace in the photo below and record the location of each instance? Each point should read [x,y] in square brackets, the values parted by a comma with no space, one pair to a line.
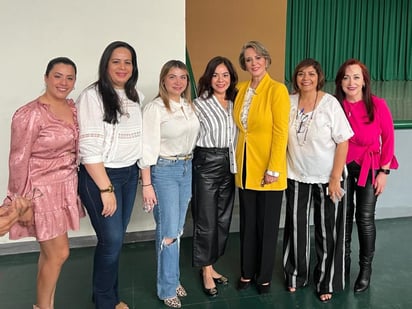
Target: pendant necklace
[124,107]
[301,126]
[349,108]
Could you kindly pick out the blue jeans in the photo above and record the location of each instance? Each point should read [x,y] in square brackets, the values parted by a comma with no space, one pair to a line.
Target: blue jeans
[172,182]
[109,230]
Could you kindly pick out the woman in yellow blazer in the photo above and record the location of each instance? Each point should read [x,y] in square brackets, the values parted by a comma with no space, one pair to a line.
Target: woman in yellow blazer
[261,113]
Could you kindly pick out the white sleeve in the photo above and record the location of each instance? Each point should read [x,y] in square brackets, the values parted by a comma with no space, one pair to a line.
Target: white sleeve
[91,126]
[151,134]
[341,129]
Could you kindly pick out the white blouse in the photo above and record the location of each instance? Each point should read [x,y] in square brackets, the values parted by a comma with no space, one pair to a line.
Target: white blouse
[116,145]
[168,133]
[312,144]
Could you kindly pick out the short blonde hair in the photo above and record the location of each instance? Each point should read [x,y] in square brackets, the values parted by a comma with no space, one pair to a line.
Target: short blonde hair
[259,48]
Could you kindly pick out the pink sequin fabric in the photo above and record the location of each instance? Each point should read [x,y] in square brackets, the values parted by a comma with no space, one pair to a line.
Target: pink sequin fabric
[43,166]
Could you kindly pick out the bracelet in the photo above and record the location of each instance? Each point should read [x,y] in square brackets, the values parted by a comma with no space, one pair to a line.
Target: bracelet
[149,184]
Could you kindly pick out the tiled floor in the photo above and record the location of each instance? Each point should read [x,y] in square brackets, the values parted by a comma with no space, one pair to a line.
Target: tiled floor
[391,280]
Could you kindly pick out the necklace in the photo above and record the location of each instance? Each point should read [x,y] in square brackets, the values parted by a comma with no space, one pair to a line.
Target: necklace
[124,102]
[302,125]
[348,108]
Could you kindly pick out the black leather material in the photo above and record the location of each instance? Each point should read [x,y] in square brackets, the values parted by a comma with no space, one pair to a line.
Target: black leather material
[364,211]
[212,204]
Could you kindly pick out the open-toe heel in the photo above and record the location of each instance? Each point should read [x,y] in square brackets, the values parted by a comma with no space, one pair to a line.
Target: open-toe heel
[325,297]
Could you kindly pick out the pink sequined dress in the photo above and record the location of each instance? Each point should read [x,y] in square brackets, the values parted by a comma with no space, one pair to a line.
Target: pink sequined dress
[43,166]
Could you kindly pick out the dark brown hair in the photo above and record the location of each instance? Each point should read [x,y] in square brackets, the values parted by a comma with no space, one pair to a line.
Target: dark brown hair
[205,81]
[309,62]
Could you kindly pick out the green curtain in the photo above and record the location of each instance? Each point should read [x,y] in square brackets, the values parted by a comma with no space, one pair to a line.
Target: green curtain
[193,88]
[377,32]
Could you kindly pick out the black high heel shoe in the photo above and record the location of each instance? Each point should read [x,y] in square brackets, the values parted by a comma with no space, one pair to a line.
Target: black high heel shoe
[263,288]
[213,292]
[243,285]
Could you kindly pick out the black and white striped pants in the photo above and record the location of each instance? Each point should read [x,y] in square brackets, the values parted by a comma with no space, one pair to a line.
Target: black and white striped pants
[329,221]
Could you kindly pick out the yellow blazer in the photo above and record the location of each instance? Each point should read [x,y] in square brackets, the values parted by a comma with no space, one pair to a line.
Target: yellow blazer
[266,137]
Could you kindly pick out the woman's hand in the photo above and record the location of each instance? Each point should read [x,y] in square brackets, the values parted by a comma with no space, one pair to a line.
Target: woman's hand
[22,205]
[380,183]
[149,198]
[27,218]
[335,191]
[268,179]
[109,203]
[8,216]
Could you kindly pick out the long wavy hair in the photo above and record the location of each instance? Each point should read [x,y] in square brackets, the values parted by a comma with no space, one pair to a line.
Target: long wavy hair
[205,81]
[111,101]
[163,94]
[366,89]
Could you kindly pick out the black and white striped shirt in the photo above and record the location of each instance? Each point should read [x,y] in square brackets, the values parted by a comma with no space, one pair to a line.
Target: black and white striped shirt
[216,125]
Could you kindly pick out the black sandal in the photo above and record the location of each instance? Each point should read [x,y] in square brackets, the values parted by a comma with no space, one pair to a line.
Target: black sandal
[325,300]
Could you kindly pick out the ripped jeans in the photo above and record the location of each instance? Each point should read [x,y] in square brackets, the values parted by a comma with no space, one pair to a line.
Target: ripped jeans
[172,182]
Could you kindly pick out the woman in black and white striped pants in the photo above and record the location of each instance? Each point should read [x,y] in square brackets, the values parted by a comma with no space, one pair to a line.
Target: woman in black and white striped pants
[317,148]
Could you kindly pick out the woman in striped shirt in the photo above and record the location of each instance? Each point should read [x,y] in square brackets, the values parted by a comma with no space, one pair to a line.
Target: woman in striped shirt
[213,169]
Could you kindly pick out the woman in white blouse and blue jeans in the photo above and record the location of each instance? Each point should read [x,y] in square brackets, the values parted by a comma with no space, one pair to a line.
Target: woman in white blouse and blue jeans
[170,129]
[110,125]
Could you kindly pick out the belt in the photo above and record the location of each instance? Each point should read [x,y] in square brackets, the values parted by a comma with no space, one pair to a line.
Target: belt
[212,149]
[178,157]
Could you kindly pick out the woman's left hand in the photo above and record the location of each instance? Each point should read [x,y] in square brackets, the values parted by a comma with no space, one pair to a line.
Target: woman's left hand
[380,183]
[267,179]
[27,219]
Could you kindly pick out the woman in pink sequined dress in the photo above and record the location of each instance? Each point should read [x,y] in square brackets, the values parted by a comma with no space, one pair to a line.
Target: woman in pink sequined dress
[43,169]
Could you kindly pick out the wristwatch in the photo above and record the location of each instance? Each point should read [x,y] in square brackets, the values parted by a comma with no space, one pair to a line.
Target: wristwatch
[384,170]
[109,189]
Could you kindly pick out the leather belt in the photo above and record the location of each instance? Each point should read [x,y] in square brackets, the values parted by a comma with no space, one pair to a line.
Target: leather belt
[178,157]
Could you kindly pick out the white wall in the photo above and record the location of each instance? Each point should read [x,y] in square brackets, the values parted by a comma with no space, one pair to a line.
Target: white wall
[396,200]
[33,32]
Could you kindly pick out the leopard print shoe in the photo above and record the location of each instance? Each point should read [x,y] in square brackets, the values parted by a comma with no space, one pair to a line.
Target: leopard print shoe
[180,291]
[173,302]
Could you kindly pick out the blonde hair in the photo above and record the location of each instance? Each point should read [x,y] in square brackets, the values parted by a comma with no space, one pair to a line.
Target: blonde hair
[259,48]
[163,94]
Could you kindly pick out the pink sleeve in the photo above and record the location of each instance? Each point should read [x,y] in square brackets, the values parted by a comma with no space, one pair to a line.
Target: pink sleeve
[387,134]
[25,128]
